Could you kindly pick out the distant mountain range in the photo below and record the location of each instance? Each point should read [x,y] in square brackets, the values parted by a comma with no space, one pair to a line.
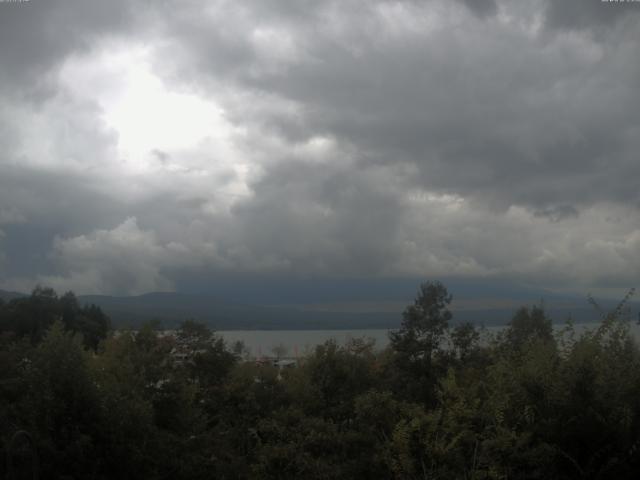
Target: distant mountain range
[171,308]
[7,296]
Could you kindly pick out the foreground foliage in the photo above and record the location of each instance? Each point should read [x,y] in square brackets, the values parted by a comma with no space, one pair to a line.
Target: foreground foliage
[441,401]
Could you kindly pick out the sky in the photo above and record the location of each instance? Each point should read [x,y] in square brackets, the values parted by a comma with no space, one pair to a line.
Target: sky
[168,145]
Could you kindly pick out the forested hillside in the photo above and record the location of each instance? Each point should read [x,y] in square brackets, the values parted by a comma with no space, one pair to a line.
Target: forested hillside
[441,401]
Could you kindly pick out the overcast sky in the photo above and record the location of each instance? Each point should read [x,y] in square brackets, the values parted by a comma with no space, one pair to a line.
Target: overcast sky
[151,145]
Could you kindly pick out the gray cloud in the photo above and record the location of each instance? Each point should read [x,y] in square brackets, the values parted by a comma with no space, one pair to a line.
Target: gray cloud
[472,108]
[321,218]
[589,14]
[36,35]
[557,213]
[125,259]
[356,138]
[481,7]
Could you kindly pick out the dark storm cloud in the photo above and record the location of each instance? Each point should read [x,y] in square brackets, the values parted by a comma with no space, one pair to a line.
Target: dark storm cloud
[59,201]
[557,213]
[589,14]
[486,111]
[470,138]
[481,7]
[36,35]
[321,218]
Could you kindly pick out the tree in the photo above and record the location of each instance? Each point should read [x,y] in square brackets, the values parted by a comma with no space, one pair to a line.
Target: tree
[280,350]
[63,404]
[424,323]
[529,325]
[419,339]
[208,360]
[464,338]
[336,376]
[32,316]
[193,334]
[88,320]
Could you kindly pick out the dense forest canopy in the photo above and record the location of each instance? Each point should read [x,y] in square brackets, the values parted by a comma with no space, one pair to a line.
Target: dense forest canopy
[442,400]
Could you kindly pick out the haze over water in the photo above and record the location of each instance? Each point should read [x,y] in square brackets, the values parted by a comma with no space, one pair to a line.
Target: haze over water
[301,342]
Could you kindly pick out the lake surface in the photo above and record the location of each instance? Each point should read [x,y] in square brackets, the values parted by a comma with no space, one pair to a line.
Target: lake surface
[297,342]
[302,342]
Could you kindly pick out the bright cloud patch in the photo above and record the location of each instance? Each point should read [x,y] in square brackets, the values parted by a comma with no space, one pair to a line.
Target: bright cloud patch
[126,259]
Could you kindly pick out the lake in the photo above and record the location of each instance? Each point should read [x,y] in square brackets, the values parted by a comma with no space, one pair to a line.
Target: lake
[297,342]
[301,342]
